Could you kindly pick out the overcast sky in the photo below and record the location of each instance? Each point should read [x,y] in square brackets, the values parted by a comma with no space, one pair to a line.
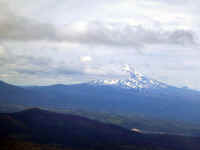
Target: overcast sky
[71,41]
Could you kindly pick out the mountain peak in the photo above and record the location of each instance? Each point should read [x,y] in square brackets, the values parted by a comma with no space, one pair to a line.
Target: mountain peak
[136,80]
[133,74]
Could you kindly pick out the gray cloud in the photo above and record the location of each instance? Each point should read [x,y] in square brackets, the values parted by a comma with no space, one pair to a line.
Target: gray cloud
[19,28]
[129,35]
[43,71]
[15,27]
[51,72]
[22,29]
[40,66]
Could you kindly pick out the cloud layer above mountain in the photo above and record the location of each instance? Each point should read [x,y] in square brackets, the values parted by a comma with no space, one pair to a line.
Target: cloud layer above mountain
[45,42]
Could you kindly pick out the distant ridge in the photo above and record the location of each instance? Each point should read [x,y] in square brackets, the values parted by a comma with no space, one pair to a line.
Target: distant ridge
[136,95]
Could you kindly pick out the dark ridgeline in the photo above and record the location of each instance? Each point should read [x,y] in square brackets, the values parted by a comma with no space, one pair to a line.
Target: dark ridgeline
[44,127]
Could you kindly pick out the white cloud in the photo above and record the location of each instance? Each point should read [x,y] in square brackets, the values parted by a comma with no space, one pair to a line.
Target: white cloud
[86,59]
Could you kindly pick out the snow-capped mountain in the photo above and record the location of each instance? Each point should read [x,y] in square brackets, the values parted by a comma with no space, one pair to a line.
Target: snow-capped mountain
[135,81]
[137,94]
